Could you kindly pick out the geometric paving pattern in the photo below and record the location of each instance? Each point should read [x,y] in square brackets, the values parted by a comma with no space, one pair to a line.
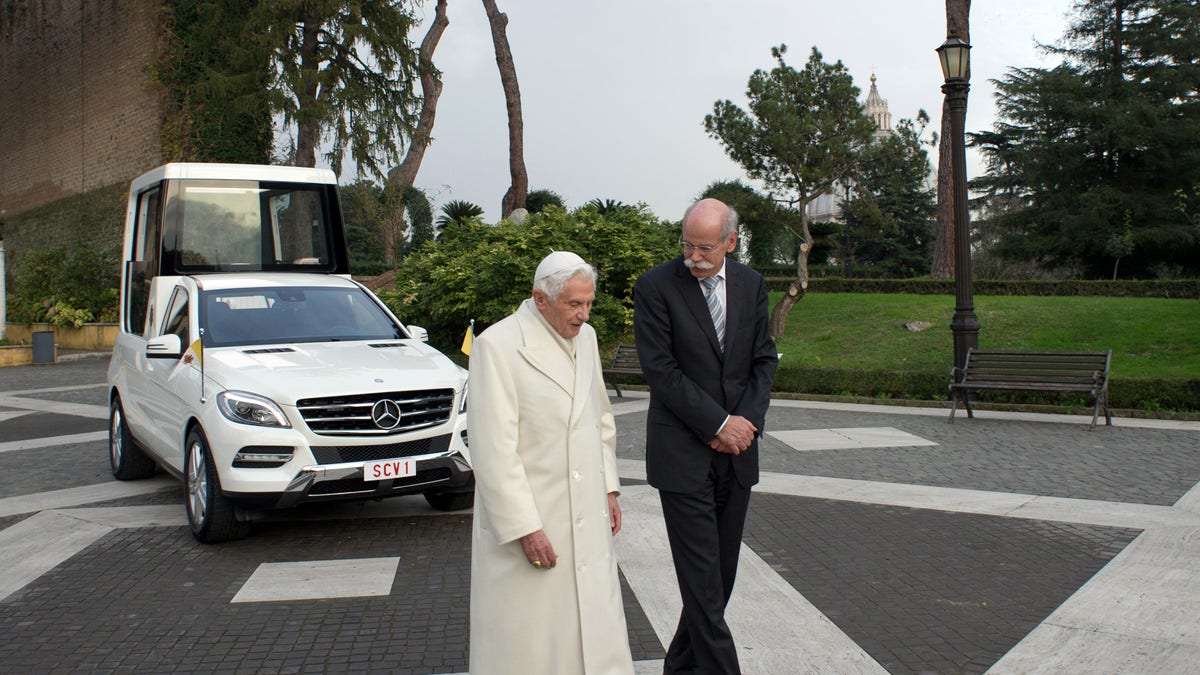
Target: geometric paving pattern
[941,563]
[153,600]
[926,591]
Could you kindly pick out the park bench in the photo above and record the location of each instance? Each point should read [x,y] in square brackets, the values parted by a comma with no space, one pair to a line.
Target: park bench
[624,362]
[1065,371]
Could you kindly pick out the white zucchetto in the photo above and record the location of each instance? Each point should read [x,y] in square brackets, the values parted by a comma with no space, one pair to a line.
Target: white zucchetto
[557,262]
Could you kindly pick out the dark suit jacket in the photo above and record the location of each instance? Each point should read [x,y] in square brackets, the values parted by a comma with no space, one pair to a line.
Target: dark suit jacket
[693,386]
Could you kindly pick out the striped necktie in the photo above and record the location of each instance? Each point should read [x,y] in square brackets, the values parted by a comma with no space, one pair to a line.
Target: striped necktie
[715,308]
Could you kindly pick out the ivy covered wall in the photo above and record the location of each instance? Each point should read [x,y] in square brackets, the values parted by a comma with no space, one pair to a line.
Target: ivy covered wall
[96,93]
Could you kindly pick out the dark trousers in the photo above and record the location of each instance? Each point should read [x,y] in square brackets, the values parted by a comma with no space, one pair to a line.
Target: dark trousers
[705,532]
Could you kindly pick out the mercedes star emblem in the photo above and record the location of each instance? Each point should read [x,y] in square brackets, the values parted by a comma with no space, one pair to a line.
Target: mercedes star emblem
[386,414]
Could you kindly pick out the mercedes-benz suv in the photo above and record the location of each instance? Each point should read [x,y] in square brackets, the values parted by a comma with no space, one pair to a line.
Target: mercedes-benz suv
[259,375]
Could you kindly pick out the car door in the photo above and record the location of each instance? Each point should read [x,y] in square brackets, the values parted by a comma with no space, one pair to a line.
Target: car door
[132,371]
[140,316]
[174,384]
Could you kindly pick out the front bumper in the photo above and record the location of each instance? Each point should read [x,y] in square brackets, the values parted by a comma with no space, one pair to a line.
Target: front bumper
[344,482]
[326,468]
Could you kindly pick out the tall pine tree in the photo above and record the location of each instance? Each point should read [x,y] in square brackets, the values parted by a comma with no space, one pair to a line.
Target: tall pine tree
[890,210]
[1103,144]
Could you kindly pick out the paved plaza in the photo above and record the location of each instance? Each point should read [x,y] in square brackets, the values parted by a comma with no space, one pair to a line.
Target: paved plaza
[880,540]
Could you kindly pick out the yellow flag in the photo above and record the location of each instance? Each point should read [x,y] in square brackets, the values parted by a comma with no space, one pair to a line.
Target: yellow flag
[196,349]
[468,338]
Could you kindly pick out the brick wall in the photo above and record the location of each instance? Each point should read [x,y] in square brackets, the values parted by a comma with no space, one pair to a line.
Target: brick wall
[79,118]
[77,109]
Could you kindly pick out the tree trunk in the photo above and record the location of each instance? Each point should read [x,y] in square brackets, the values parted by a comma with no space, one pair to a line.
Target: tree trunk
[514,198]
[402,177]
[308,125]
[393,230]
[799,286]
[405,175]
[942,265]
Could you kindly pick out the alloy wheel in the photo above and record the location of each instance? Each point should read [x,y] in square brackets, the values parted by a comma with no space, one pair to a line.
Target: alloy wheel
[197,483]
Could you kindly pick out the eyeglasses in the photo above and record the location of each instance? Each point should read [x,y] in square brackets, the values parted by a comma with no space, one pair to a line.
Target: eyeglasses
[689,248]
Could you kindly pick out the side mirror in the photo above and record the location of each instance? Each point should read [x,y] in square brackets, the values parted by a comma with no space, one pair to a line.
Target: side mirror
[418,333]
[164,347]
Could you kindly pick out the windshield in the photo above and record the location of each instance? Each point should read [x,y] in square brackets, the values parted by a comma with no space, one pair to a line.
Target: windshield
[258,316]
[224,225]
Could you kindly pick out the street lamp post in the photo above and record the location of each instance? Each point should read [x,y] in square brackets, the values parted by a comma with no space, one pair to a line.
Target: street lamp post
[955,57]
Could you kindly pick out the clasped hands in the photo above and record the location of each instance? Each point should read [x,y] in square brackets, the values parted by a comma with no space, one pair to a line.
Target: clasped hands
[735,437]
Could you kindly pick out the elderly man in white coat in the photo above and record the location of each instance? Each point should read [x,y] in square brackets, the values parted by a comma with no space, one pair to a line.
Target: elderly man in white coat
[545,596]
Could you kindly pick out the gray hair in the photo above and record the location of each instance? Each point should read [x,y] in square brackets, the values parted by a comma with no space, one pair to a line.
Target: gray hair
[728,226]
[553,284]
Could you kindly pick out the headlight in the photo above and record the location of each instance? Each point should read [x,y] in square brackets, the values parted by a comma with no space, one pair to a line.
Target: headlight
[463,407]
[246,408]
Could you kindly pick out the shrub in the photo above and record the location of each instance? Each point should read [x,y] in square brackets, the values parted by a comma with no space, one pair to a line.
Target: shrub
[919,385]
[1151,393]
[66,287]
[483,272]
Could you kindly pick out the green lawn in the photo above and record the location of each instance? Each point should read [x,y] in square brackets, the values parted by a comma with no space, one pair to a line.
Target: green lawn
[864,331]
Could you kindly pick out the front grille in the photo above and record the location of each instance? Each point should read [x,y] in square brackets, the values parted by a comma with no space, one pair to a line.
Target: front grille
[335,454]
[351,415]
[357,484]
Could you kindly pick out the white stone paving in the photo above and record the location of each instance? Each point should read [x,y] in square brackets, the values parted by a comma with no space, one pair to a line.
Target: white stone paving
[6,415]
[57,407]
[1140,613]
[774,626]
[54,390]
[88,494]
[40,543]
[319,579]
[1081,418]
[52,441]
[847,438]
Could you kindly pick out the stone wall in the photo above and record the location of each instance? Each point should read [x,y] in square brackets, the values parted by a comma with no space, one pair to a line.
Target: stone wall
[79,111]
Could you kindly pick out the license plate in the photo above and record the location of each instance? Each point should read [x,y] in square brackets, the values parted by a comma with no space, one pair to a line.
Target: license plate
[389,468]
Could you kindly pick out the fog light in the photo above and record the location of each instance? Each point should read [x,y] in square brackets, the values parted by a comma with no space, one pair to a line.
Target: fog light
[263,456]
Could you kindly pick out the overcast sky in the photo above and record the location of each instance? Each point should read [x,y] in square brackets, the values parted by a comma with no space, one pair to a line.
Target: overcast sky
[614,93]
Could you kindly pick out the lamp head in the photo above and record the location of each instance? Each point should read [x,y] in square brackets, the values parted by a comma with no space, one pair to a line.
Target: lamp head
[955,56]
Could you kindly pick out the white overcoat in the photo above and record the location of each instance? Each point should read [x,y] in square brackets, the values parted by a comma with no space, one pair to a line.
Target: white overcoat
[543,447]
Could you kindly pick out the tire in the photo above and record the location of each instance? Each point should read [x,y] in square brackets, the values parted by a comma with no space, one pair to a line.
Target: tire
[450,501]
[212,517]
[126,459]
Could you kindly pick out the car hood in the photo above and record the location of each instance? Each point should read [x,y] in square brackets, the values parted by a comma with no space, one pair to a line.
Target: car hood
[288,373]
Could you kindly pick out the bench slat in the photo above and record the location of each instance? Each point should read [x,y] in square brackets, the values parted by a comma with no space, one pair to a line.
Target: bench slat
[1080,383]
[1072,362]
[1046,376]
[623,362]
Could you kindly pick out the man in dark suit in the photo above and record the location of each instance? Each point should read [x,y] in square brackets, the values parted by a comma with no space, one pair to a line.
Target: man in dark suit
[702,334]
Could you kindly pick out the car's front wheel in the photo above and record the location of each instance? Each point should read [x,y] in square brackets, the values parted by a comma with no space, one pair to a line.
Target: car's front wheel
[125,458]
[450,501]
[212,517]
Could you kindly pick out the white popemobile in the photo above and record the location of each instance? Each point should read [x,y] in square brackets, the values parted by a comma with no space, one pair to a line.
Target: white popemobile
[250,364]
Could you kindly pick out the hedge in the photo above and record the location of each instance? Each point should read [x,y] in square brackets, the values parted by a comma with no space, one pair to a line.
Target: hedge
[1132,289]
[1125,393]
